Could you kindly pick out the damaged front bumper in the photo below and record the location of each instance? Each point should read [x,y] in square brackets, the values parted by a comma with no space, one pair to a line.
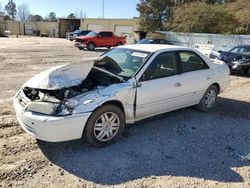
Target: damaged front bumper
[51,128]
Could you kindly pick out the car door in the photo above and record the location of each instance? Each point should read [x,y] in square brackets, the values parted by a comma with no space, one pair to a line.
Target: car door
[105,39]
[195,77]
[158,88]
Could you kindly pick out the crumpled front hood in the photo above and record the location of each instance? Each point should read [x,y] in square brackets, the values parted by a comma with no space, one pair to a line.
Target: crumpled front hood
[62,76]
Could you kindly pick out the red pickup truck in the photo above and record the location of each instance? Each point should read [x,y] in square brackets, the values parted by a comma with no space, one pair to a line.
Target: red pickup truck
[99,39]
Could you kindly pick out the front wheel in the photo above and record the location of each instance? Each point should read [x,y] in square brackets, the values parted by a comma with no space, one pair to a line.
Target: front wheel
[91,46]
[105,126]
[208,100]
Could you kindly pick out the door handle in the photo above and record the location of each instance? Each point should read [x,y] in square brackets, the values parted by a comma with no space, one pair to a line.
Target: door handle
[208,78]
[178,84]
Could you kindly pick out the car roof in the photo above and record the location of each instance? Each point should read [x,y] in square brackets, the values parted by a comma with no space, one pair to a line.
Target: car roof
[154,47]
[243,45]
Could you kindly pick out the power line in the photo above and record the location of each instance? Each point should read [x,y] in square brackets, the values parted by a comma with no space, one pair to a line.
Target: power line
[103,7]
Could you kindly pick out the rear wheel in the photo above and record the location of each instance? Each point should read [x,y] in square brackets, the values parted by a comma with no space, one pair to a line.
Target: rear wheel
[247,72]
[119,44]
[208,100]
[91,46]
[105,126]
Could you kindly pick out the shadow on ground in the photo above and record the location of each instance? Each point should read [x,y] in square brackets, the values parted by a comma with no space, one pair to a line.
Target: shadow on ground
[99,50]
[181,143]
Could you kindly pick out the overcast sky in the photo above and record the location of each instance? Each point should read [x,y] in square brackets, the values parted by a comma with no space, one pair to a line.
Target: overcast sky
[93,8]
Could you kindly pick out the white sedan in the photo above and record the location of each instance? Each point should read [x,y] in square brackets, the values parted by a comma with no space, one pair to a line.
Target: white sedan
[97,97]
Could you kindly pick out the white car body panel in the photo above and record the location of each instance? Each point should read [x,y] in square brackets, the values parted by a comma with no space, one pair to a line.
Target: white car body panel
[140,99]
[51,128]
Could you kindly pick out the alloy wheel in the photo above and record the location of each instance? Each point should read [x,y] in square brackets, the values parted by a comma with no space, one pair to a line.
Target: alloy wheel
[210,98]
[106,126]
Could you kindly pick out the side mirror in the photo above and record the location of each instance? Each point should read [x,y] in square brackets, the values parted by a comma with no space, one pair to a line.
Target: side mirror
[144,77]
[99,36]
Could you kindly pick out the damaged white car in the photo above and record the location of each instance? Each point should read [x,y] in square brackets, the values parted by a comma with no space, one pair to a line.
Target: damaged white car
[95,98]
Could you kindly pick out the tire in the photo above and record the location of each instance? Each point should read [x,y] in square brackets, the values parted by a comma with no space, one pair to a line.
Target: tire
[80,48]
[99,134]
[119,44]
[91,46]
[208,100]
[247,72]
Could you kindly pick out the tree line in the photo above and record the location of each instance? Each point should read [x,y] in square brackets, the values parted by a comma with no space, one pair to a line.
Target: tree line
[196,16]
[22,13]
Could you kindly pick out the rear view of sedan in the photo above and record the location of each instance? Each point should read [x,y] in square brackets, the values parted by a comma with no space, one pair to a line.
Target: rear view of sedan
[97,97]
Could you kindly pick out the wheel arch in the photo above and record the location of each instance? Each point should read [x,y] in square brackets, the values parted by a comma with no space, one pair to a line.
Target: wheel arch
[217,86]
[119,43]
[109,102]
[114,102]
[91,42]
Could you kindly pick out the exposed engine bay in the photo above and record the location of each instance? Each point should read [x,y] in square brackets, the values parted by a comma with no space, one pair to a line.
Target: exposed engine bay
[55,101]
[94,80]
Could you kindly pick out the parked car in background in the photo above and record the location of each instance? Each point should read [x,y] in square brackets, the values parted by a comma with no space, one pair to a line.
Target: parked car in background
[154,41]
[215,51]
[72,35]
[204,48]
[95,98]
[99,39]
[238,59]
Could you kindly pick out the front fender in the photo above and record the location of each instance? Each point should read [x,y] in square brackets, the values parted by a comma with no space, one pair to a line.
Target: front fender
[123,93]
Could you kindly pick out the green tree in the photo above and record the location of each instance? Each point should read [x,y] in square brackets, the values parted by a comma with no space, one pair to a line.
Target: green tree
[202,18]
[72,16]
[154,13]
[11,9]
[52,17]
[240,10]
[7,17]
[35,18]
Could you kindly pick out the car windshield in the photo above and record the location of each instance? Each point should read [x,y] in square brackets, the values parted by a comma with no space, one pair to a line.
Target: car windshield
[92,34]
[143,41]
[241,50]
[128,60]
[77,31]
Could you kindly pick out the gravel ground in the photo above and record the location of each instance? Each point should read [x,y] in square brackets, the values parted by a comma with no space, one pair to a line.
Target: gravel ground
[184,148]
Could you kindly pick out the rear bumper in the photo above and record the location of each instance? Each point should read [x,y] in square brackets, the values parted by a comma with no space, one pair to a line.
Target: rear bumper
[51,128]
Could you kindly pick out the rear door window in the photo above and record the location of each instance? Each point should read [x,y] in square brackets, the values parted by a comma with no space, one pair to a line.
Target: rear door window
[190,61]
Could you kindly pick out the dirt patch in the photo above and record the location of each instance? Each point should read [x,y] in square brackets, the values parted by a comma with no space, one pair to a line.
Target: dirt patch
[2,58]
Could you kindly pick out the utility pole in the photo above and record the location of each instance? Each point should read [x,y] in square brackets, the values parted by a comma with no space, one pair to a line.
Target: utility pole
[103,7]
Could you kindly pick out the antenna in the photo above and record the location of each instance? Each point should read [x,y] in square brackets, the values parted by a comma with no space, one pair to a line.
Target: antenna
[103,7]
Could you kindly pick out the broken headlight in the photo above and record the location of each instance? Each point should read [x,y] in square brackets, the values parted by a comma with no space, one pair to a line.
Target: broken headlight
[42,107]
[67,107]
